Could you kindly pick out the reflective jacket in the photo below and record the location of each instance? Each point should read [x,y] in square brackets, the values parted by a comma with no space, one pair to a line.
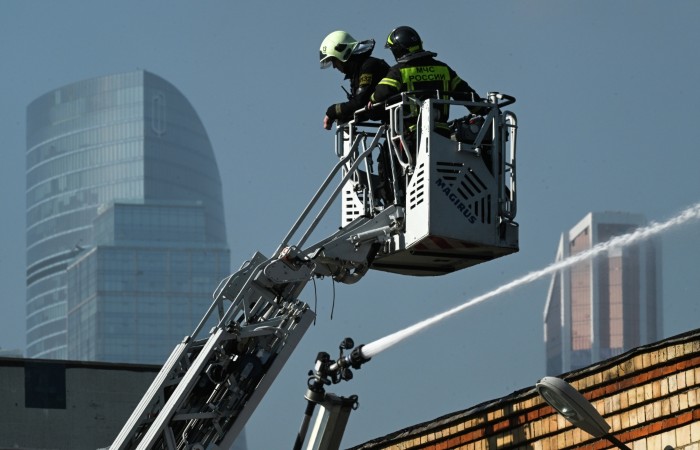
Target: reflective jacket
[422,72]
[364,73]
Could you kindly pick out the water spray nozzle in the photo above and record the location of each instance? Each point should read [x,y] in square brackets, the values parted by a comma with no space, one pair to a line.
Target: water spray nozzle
[327,372]
[354,359]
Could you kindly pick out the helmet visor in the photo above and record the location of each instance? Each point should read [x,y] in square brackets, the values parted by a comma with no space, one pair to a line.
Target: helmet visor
[326,60]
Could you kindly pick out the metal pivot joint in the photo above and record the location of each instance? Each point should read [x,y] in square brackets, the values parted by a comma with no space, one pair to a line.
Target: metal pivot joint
[335,411]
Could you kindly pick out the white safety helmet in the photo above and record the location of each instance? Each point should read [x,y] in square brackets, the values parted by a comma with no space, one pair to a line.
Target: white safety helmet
[338,45]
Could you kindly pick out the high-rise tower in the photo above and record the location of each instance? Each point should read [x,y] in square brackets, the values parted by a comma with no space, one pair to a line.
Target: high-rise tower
[602,307]
[126,238]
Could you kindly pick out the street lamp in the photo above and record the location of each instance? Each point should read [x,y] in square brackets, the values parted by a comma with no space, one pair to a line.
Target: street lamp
[569,402]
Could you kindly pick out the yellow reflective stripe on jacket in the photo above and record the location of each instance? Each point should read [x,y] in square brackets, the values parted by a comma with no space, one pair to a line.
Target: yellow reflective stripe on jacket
[454,82]
[396,84]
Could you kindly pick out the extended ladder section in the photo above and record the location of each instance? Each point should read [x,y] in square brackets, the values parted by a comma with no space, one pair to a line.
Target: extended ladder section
[205,391]
[450,208]
[215,378]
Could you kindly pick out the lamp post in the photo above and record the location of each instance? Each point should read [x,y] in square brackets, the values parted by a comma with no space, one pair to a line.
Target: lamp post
[569,402]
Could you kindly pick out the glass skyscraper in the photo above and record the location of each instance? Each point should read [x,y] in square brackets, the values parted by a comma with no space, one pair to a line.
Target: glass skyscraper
[602,307]
[125,222]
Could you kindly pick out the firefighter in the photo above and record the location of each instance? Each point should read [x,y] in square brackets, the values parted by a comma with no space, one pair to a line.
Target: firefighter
[340,50]
[418,70]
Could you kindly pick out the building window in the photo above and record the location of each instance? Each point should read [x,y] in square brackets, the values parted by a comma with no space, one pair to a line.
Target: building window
[45,385]
[158,120]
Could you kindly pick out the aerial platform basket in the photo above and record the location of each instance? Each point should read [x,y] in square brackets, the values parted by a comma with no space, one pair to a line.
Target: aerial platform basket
[458,196]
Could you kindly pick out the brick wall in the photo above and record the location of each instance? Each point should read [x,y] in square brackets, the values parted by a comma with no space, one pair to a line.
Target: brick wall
[649,396]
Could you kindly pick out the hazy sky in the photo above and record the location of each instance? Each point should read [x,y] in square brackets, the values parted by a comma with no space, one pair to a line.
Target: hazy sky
[608,94]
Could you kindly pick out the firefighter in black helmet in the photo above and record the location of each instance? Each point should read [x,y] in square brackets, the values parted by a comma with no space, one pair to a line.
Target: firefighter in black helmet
[343,52]
[418,70]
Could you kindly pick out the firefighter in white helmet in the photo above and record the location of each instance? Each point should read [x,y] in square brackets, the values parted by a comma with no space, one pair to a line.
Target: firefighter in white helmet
[340,50]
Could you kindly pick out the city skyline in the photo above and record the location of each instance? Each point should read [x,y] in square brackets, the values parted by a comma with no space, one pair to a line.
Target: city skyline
[605,117]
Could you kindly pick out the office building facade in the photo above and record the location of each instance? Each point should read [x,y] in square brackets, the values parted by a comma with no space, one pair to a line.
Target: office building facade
[125,222]
[601,307]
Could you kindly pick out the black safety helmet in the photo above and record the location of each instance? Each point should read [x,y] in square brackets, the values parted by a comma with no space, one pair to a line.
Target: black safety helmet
[403,40]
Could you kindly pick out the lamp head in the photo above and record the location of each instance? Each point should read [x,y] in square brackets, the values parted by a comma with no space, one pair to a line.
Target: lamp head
[569,402]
